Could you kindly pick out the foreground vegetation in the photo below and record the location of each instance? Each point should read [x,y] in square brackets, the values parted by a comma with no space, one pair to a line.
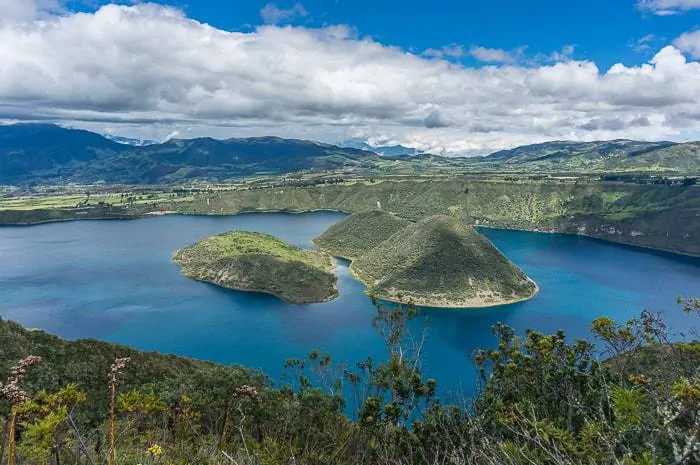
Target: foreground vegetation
[543,400]
[665,217]
[248,261]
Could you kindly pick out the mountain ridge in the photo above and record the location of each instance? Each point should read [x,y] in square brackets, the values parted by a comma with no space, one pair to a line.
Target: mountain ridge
[48,153]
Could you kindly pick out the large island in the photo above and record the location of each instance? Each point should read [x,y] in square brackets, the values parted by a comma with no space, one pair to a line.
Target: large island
[255,262]
[438,262]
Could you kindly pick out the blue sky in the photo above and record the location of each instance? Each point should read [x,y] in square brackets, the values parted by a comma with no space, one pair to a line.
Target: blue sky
[447,76]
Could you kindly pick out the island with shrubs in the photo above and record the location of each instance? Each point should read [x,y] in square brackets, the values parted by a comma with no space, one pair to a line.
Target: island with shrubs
[436,262]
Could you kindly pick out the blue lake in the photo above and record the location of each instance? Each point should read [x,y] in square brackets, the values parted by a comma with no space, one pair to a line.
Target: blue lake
[114,280]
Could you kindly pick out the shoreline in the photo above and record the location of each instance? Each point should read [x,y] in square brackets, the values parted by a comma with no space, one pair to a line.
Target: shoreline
[262,291]
[299,212]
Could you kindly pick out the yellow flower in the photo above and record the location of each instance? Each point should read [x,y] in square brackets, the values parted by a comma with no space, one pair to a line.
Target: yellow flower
[155,450]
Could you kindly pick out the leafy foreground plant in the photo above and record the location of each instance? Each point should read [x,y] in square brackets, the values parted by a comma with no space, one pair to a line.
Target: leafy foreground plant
[543,400]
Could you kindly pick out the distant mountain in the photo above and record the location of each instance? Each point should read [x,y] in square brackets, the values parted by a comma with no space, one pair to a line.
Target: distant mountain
[39,150]
[49,153]
[383,150]
[614,155]
[129,141]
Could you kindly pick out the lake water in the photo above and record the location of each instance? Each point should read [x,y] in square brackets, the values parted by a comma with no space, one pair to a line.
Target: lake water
[114,280]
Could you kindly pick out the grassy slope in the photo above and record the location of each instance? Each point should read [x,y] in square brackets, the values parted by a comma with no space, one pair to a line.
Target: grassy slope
[683,158]
[359,233]
[440,262]
[658,216]
[260,262]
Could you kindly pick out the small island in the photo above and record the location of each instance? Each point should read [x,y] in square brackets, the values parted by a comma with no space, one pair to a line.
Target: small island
[359,233]
[256,262]
[437,262]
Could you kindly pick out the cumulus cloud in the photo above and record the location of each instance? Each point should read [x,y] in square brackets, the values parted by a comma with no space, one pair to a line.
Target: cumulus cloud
[689,43]
[668,7]
[151,71]
[272,14]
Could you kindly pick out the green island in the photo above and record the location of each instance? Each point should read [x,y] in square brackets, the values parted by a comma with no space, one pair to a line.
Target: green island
[436,262]
[256,262]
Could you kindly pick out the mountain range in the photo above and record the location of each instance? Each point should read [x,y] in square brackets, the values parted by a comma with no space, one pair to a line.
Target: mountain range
[50,154]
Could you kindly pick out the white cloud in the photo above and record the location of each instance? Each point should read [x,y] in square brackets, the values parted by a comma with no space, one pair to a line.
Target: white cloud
[151,71]
[668,7]
[493,55]
[272,14]
[689,43]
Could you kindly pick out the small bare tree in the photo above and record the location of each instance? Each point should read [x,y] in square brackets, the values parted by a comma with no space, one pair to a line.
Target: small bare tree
[12,391]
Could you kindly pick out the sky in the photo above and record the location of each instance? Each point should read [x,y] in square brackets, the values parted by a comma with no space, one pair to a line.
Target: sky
[447,77]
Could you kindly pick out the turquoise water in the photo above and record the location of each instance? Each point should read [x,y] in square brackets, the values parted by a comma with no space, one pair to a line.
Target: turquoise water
[113,280]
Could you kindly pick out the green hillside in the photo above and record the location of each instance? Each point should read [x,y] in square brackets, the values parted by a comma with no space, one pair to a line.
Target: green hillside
[359,233]
[598,156]
[442,262]
[256,262]
[86,362]
[684,158]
